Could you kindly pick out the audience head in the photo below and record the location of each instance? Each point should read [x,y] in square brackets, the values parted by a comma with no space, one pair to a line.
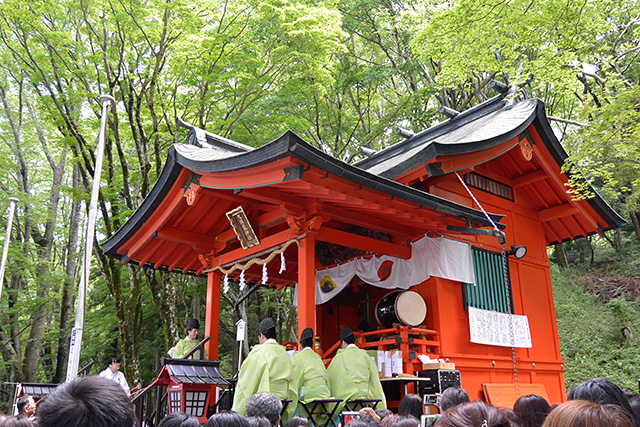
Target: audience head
[473,414]
[383,413]
[602,391]
[264,405]
[347,337]
[634,403]
[179,419]
[258,422]
[405,421]
[411,404]
[531,410]
[511,416]
[87,402]
[26,405]
[368,420]
[583,413]
[298,422]
[451,397]
[226,419]
[17,421]
[267,328]
[388,420]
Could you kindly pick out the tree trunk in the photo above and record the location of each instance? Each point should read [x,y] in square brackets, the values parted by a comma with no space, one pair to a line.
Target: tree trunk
[560,255]
[163,292]
[591,250]
[617,240]
[635,221]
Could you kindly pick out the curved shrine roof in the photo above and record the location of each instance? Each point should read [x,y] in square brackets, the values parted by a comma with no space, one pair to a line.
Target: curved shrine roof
[289,173]
[217,163]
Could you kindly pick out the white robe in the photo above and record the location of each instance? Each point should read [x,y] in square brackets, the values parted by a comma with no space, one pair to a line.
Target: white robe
[116,376]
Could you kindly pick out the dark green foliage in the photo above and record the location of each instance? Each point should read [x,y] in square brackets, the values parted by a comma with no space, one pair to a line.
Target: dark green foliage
[598,327]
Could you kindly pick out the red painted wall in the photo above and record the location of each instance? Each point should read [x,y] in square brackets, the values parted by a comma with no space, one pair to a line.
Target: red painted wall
[532,295]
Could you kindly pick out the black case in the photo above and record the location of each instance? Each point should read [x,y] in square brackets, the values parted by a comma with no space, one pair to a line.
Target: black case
[439,380]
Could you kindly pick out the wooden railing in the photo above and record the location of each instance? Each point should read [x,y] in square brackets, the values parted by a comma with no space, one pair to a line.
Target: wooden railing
[408,339]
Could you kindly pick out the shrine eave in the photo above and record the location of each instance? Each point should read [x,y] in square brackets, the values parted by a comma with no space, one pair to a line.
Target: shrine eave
[212,162]
[479,129]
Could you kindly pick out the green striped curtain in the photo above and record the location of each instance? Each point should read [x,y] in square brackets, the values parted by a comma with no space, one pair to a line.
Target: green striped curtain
[490,292]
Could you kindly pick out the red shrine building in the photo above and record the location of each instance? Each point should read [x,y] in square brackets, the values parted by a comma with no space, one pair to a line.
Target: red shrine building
[436,214]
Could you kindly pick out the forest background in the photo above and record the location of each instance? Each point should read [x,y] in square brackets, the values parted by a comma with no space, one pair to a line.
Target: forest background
[340,73]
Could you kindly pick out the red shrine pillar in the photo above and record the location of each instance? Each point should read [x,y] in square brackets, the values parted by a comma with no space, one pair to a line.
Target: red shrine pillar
[306,283]
[212,323]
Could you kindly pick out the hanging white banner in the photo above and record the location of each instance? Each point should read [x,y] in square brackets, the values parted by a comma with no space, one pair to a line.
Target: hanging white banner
[501,329]
[330,281]
[438,257]
[385,272]
[446,258]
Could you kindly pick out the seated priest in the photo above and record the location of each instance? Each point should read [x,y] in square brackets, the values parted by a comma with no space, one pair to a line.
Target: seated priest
[309,372]
[267,368]
[353,374]
[187,344]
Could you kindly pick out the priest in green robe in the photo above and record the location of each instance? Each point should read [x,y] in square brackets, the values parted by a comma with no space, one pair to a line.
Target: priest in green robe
[188,343]
[353,374]
[310,373]
[267,368]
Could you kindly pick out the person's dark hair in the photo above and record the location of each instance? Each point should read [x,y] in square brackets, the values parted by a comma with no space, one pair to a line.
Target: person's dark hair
[451,397]
[383,413]
[227,419]
[405,421]
[266,405]
[17,421]
[634,403]
[22,403]
[368,420]
[602,391]
[411,404]
[388,420]
[258,422]
[531,410]
[578,413]
[364,326]
[511,416]
[473,414]
[113,360]
[298,421]
[179,419]
[87,402]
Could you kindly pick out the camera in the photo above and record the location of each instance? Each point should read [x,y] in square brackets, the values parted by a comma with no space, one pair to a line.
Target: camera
[347,417]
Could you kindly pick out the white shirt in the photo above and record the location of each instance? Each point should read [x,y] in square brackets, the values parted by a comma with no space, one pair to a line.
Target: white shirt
[116,376]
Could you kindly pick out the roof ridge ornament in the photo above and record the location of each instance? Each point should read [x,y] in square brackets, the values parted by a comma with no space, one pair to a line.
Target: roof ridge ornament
[498,86]
[206,139]
[517,93]
[405,133]
[449,112]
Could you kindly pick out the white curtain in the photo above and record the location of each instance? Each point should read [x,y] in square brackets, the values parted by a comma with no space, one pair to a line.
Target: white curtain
[440,257]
